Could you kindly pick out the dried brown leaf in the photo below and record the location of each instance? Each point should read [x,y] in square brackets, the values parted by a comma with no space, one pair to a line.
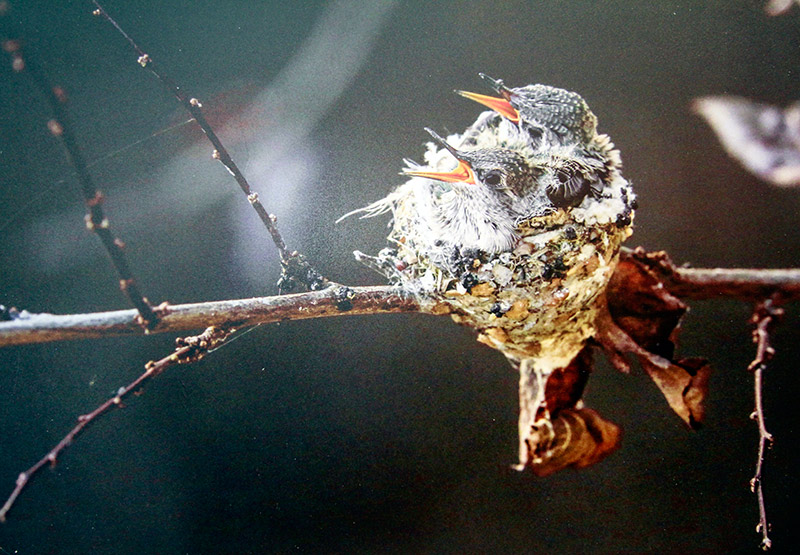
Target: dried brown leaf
[643,308]
[564,387]
[683,383]
[642,318]
[581,437]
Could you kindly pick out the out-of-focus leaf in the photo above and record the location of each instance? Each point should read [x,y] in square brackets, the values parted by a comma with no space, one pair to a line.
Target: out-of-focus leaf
[764,139]
[779,7]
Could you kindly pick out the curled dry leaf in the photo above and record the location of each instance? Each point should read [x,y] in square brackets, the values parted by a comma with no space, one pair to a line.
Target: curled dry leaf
[637,316]
[642,318]
[643,308]
[565,387]
[764,139]
[577,438]
[572,436]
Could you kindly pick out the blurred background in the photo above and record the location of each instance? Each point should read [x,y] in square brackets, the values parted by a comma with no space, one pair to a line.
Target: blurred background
[382,434]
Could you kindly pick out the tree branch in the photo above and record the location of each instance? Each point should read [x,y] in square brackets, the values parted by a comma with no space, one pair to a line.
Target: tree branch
[238,313]
[744,284]
[61,127]
[686,283]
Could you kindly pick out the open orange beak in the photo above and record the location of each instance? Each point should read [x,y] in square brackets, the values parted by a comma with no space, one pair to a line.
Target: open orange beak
[462,174]
[499,105]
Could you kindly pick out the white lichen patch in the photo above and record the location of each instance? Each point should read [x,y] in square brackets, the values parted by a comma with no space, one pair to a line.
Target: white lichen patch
[609,207]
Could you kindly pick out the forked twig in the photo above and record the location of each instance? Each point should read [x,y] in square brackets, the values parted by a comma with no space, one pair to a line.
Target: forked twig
[295,268]
[189,349]
[764,318]
[61,126]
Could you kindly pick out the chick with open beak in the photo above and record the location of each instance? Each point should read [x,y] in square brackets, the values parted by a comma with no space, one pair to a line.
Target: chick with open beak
[477,204]
[547,116]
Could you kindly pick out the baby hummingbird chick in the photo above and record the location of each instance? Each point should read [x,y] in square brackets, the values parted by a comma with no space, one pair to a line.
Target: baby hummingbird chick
[518,241]
[546,116]
[476,205]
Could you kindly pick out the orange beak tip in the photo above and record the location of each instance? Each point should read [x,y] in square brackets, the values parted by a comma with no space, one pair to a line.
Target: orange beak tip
[499,105]
[461,174]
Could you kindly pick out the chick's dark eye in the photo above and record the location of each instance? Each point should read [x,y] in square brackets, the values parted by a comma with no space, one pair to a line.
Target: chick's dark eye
[535,135]
[493,178]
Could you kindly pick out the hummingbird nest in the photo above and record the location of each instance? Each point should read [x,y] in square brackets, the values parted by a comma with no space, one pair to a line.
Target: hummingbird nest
[519,242]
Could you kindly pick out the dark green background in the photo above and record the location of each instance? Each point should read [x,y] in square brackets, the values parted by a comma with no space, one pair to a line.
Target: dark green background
[381,434]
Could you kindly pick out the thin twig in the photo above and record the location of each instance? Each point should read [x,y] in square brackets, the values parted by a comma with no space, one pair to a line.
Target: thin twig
[764,318]
[295,268]
[189,349]
[61,126]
